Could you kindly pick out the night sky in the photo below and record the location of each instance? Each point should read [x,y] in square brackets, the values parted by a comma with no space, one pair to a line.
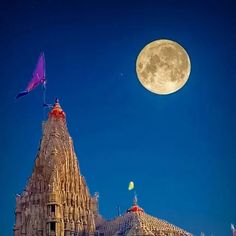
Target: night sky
[178,149]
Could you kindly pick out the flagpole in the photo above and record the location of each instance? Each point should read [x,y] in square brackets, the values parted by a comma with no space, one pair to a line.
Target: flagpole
[44,100]
[44,89]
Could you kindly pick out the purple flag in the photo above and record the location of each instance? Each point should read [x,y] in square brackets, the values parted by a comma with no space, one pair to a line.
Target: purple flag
[37,78]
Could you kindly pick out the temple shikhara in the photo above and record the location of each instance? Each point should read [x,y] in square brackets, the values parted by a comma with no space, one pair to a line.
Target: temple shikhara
[56,200]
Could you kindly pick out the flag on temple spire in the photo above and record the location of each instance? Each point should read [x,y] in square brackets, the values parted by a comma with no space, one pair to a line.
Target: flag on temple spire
[38,77]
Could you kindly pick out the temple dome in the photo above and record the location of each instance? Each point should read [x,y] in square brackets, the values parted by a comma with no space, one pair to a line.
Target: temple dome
[136,222]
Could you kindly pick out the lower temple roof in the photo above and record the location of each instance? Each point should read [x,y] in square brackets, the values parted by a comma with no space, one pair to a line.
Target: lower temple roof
[136,222]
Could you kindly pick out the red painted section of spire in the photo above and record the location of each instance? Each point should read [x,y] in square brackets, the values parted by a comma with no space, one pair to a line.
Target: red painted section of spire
[135,208]
[57,111]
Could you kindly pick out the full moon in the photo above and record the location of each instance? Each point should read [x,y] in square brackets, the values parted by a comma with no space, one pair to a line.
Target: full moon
[163,66]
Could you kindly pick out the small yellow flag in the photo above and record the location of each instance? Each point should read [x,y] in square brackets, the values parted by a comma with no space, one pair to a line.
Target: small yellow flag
[131,185]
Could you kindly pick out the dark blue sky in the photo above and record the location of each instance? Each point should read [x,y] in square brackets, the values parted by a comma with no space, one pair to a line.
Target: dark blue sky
[178,149]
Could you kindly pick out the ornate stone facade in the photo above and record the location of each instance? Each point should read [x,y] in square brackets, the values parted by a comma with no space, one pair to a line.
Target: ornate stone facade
[57,202]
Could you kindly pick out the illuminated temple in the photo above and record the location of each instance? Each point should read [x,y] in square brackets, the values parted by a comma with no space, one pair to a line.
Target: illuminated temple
[57,202]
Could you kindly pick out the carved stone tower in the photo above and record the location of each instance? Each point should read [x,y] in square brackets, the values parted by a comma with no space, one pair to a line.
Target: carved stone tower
[56,200]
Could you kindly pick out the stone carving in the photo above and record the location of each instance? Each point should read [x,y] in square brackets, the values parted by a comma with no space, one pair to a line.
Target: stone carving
[55,198]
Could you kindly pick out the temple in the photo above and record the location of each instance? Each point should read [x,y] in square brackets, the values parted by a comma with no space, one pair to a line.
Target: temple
[57,202]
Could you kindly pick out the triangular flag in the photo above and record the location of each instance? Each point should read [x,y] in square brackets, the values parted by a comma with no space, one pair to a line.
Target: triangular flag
[37,78]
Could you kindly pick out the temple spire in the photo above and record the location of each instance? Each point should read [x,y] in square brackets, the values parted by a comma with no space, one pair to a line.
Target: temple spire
[56,200]
[57,111]
[135,207]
